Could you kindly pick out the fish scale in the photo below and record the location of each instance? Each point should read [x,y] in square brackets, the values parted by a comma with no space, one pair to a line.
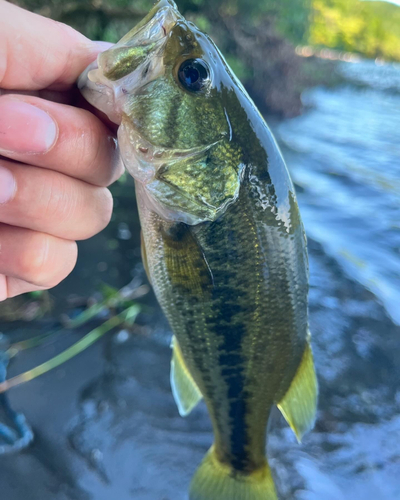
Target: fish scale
[223,243]
[231,296]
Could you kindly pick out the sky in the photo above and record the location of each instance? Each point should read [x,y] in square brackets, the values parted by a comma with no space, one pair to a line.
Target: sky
[396,2]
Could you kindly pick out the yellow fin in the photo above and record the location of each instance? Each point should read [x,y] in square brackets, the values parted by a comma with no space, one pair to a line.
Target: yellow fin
[299,405]
[216,481]
[144,256]
[186,393]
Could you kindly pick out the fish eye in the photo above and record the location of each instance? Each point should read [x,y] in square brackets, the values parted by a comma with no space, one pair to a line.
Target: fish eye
[193,74]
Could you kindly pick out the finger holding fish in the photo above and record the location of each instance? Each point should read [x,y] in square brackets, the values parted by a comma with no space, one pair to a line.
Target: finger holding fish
[32,260]
[58,137]
[55,159]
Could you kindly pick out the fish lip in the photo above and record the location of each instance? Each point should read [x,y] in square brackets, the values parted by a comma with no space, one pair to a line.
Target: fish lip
[98,91]
[84,76]
[164,15]
[104,93]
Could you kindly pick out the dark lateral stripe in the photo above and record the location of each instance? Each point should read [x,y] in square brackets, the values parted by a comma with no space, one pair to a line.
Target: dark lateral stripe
[227,325]
[232,370]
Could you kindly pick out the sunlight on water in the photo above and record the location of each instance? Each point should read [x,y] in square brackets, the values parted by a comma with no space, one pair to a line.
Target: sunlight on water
[345,155]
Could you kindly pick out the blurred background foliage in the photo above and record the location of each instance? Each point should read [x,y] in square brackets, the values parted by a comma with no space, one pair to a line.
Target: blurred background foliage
[369,28]
[257,36]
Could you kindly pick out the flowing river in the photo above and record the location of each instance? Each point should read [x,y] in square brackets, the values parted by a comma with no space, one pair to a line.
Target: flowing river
[106,425]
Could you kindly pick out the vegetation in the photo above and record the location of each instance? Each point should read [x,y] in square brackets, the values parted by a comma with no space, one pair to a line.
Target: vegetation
[369,28]
[245,30]
[256,36]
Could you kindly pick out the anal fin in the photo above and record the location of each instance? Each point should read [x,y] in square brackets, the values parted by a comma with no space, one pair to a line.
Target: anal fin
[184,389]
[299,405]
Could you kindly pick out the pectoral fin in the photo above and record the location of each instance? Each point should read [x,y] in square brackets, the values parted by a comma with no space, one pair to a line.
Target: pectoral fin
[144,256]
[299,405]
[184,389]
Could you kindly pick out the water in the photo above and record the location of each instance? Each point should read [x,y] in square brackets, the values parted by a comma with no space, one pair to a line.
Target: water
[344,154]
[106,424]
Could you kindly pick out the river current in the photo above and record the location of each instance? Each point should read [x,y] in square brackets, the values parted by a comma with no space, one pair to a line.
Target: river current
[106,426]
[344,156]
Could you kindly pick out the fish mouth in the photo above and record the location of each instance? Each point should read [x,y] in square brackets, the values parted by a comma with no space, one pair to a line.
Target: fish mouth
[156,25]
[102,83]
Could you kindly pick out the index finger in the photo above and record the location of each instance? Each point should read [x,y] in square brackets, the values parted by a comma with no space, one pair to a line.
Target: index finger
[37,53]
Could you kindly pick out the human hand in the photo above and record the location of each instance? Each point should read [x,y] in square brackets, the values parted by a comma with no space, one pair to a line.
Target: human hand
[55,159]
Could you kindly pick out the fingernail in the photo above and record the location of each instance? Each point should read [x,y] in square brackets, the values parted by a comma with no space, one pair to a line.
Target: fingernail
[7,185]
[25,128]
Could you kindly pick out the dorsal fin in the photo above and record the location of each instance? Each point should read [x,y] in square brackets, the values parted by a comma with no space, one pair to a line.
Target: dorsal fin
[299,404]
[186,393]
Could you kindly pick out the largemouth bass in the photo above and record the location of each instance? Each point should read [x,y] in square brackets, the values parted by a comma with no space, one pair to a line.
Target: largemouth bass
[222,242]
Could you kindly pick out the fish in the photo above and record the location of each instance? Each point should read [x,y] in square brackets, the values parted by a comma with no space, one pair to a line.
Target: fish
[223,243]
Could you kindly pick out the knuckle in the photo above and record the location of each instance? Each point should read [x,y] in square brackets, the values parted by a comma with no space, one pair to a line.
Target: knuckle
[64,202]
[99,213]
[48,260]
[91,152]
[33,260]
[106,208]
[113,168]
[56,202]
[69,261]
[99,154]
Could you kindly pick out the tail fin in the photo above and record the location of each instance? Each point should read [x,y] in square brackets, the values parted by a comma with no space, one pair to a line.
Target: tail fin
[216,481]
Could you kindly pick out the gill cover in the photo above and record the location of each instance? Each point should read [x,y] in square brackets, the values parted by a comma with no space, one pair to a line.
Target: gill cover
[161,84]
